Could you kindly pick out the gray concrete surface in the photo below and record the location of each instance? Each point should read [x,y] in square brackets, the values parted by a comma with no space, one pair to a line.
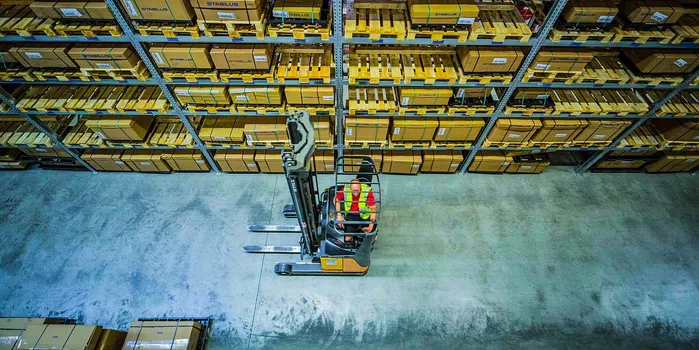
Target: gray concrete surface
[485,261]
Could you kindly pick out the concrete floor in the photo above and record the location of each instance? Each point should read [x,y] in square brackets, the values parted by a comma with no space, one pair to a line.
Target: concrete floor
[486,261]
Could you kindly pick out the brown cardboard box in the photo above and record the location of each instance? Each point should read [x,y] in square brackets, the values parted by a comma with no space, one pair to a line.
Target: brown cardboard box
[225,4]
[602,130]
[441,161]
[98,10]
[120,128]
[194,56]
[9,155]
[413,129]
[261,95]
[145,161]
[153,334]
[223,129]
[105,159]
[376,156]
[237,161]
[233,15]
[297,9]
[59,336]
[13,165]
[266,129]
[633,153]
[490,162]
[44,9]
[443,11]
[166,10]
[323,161]
[526,167]
[425,96]
[373,129]
[458,130]
[566,60]
[652,12]
[490,59]
[532,94]
[559,130]
[269,161]
[110,339]
[71,9]
[186,160]
[7,58]
[44,55]
[11,329]
[203,95]
[310,95]
[402,162]
[662,61]
[516,131]
[620,164]
[672,162]
[321,128]
[242,56]
[601,12]
[677,130]
[104,56]
[45,152]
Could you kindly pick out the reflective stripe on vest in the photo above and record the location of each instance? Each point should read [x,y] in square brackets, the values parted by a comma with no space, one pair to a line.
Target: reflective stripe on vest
[364,210]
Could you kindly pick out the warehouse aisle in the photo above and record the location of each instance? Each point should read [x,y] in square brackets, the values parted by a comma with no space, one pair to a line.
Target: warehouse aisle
[552,259]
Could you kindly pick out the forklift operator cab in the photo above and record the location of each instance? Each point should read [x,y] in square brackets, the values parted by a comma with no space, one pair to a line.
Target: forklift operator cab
[322,238]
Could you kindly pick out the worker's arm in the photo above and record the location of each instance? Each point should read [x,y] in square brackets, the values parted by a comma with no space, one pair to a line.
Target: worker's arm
[372,217]
[338,215]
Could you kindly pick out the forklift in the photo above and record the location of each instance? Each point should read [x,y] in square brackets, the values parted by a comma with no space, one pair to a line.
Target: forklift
[329,250]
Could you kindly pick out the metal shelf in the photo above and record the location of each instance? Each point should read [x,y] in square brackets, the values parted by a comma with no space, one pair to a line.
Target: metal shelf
[568,116]
[244,147]
[37,113]
[133,147]
[70,39]
[81,82]
[420,84]
[226,40]
[598,86]
[428,41]
[622,44]
[288,82]
[414,115]
[377,148]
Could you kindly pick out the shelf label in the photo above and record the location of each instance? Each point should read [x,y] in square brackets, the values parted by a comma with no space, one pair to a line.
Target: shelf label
[680,62]
[226,15]
[543,66]
[497,42]
[634,44]
[658,17]
[130,8]
[598,85]
[499,60]
[158,58]
[34,54]
[396,131]
[605,19]
[173,39]
[465,20]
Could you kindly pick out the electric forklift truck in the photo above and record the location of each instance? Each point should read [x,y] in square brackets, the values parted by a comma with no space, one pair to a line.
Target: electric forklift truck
[323,240]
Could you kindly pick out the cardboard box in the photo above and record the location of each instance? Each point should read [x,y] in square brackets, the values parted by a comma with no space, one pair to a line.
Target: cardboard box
[677,130]
[490,162]
[203,95]
[490,59]
[516,131]
[59,336]
[153,334]
[105,159]
[463,12]
[225,4]
[145,161]
[186,160]
[187,56]
[458,130]
[555,60]
[11,329]
[526,167]
[267,95]
[120,128]
[269,161]
[98,10]
[297,9]
[559,130]
[322,129]
[425,96]
[223,129]
[652,12]
[373,129]
[44,55]
[232,15]
[662,61]
[672,162]
[600,12]
[165,10]
[242,56]
[310,95]
[71,9]
[266,129]
[104,56]
[9,155]
[110,339]
[13,165]
[441,161]
[376,156]
[44,9]
[633,153]
[531,94]
[323,161]
[45,152]
[620,164]
[413,129]
[7,58]
[236,161]
[402,162]
[602,130]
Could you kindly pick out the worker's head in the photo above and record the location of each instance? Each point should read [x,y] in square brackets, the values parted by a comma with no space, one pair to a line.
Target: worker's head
[356,187]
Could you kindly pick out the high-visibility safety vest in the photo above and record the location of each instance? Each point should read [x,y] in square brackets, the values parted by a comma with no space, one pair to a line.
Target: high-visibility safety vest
[364,210]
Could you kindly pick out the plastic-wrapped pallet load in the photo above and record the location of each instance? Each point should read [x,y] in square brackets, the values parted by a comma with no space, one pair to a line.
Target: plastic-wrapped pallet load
[672,162]
[310,95]
[561,60]
[376,156]
[599,12]
[366,129]
[489,59]
[515,131]
[146,161]
[604,130]
[559,130]
[402,162]
[104,56]
[242,56]
[237,161]
[239,11]
[499,162]
[223,129]
[321,129]
[11,329]
[186,160]
[120,128]
[441,161]
[413,129]
[297,9]
[147,335]
[458,130]
[323,161]
[674,130]
[162,10]
[81,10]
[105,159]
[181,56]
[425,96]
[266,129]
[203,95]
[652,11]
[63,336]
[430,12]
[269,161]
[620,164]
[44,55]
[662,61]
[267,95]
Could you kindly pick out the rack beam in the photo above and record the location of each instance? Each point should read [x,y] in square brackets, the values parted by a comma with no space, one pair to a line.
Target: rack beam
[338,40]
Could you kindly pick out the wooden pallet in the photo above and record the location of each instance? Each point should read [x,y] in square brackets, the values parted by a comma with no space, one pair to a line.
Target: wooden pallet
[375,67]
[605,70]
[619,102]
[171,132]
[550,144]
[25,134]
[450,145]
[231,145]
[469,110]
[12,74]
[428,65]
[300,32]
[655,80]
[91,99]
[191,75]
[643,136]
[303,63]
[82,136]
[234,29]
[58,74]
[269,144]
[20,20]
[408,144]
[484,78]
[168,29]
[528,110]
[590,144]
[375,23]
[681,105]
[580,36]
[87,29]
[437,34]
[262,109]
[248,76]
[642,36]
[420,110]
[371,100]
[488,143]
[140,73]
[686,29]
[213,109]
[366,144]
[500,25]
[566,77]
[321,110]
[431,68]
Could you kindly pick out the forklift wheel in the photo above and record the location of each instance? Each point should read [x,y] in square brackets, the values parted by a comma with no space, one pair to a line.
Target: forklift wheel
[282,269]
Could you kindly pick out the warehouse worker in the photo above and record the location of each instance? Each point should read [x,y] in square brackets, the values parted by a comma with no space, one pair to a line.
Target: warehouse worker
[360,205]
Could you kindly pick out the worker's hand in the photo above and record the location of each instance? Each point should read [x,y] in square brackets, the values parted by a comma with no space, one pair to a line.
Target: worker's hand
[368,229]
